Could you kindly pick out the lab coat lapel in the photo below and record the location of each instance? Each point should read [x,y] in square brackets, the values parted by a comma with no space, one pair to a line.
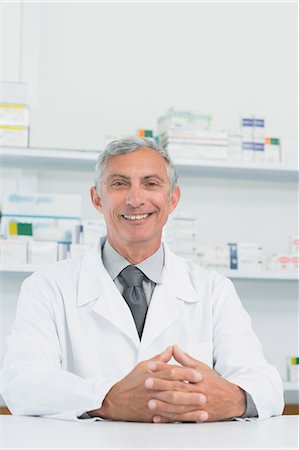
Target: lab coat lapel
[168,301]
[95,284]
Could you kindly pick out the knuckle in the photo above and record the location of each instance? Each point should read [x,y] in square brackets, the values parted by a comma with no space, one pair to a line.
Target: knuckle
[175,397]
[187,387]
[173,373]
[177,386]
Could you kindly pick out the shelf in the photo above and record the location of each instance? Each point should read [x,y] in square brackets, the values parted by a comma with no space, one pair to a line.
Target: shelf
[45,158]
[20,268]
[279,276]
[265,275]
[291,385]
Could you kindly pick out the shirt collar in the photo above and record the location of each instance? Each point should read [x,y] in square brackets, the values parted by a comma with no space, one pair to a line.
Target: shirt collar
[152,267]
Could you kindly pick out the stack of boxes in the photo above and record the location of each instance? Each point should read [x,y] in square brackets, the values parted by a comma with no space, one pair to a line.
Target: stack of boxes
[14,125]
[181,234]
[33,226]
[187,134]
[256,146]
[233,256]
[246,257]
[214,256]
[44,228]
[286,261]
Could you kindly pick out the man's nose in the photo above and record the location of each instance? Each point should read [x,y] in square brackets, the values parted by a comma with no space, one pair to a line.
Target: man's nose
[135,197]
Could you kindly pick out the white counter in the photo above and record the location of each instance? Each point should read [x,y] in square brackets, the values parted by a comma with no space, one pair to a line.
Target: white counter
[38,433]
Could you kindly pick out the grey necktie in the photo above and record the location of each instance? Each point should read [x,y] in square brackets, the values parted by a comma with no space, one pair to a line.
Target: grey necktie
[134,295]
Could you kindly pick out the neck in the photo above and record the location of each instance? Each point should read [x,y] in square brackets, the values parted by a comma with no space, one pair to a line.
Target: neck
[135,252]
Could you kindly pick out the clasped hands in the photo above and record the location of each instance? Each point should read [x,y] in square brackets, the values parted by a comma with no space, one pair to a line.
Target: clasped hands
[156,391]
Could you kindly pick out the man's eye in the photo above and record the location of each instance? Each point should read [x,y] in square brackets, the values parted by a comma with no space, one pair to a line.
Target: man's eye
[118,183]
[152,184]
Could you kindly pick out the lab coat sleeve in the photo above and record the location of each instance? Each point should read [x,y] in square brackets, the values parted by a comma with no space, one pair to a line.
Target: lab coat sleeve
[238,354]
[33,381]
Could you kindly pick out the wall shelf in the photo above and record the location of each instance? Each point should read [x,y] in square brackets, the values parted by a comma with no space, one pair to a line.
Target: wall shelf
[46,158]
[263,275]
[233,274]
[291,385]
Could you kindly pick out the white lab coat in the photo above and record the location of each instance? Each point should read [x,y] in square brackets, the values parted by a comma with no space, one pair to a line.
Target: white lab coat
[74,336]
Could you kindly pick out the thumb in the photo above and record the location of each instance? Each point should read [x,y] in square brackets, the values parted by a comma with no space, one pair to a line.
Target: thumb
[183,358]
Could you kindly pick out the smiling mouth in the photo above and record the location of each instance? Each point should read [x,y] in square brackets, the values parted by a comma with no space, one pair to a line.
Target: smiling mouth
[136,216]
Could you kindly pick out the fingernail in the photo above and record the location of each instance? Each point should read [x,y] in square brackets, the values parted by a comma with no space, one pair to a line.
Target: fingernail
[152,404]
[149,383]
[156,419]
[203,416]
[198,376]
[202,399]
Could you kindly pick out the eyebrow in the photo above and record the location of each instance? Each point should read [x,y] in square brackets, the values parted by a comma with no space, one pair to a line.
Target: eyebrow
[117,175]
[126,177]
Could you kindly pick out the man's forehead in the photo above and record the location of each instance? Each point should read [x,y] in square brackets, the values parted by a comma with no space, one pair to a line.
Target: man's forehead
[146,163]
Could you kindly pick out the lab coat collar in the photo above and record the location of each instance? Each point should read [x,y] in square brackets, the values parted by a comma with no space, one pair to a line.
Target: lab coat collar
[93,271]
[176,275]
[95,284]
[91,275]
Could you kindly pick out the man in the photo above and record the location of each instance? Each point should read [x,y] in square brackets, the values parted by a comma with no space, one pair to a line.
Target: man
[133,332]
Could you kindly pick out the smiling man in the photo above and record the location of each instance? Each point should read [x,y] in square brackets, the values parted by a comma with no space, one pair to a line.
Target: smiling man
[131,331]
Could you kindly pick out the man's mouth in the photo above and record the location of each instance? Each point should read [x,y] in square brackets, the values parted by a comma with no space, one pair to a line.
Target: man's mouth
[136,216]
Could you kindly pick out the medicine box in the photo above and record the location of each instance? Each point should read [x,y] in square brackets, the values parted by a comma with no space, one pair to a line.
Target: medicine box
[42,252]
[293,368]
[294,245]
[283,262]
[13,114]
[14,136]
[13,251]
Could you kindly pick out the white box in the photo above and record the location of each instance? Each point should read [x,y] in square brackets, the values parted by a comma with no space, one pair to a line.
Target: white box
[247,149]
[282,262]
[42,252]
[293,369]
[272,150]
[13,251]
[183,120]
[14,136]
[214,256]
[294,245]
[259,149]
[61,206]
[93,229]
[234,149]
[12,114]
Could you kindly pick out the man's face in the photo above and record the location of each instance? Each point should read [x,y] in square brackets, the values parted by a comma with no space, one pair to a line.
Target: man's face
[135,198]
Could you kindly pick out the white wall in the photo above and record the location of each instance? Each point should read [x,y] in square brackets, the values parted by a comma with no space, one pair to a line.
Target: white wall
[97,69]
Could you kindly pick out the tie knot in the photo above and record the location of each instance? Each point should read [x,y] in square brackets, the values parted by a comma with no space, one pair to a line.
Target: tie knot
[132,276]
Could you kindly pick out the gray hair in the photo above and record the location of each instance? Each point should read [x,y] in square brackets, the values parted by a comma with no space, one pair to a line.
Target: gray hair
[128,145]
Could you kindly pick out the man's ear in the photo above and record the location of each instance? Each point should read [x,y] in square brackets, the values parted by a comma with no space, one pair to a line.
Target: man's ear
[96,199]
[174,199]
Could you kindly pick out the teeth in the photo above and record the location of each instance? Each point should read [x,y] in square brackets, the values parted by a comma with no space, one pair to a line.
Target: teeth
[137,217]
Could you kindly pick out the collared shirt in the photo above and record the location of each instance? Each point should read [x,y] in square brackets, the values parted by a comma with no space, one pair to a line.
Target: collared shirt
[152,268]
